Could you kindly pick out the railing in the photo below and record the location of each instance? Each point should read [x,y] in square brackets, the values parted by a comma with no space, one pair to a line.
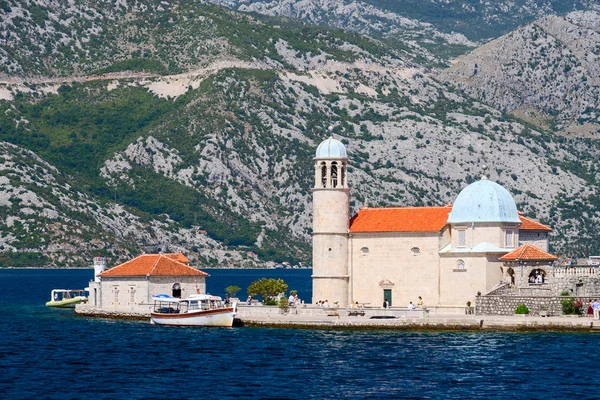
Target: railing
[577,270]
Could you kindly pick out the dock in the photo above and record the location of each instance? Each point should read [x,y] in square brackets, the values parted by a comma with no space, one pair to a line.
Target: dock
[308,317]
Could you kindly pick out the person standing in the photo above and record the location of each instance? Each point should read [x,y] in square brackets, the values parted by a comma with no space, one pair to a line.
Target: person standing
[386,304]
[420,302]
[596,308]
[291,300]
[590,310]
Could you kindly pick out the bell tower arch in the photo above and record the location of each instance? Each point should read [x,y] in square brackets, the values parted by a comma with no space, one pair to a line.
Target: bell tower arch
[331,219]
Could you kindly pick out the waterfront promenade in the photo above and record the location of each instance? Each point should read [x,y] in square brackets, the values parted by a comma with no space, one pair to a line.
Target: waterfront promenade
[309,317]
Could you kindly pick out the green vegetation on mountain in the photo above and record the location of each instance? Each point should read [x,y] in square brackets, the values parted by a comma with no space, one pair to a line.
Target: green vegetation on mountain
[198,135]
[477,19]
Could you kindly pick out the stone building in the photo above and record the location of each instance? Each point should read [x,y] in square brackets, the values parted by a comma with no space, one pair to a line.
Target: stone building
[446,255]
[129,286]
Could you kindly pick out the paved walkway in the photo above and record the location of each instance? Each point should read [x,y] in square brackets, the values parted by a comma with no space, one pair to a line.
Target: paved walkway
[432,322]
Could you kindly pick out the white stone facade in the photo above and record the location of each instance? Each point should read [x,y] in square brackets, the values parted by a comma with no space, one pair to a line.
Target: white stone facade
[447,267]
[128,294]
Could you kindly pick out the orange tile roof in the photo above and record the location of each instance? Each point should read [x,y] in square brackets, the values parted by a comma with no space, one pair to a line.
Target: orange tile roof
[528,224]
[401,219]
[528,252]
[153,265]
[178,257]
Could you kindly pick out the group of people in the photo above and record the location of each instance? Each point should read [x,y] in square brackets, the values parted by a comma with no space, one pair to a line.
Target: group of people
[594,309]
[323,304]
[539,278]
[293,300]
[411,306]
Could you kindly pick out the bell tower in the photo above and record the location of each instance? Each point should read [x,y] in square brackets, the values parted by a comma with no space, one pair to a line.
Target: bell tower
[331,219]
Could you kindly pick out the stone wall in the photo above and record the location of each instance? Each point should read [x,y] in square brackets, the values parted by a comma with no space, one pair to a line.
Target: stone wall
[506,304]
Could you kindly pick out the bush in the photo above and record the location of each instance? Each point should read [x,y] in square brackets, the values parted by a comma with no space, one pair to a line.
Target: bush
[571,306]
[284,305]
[521,309]
[232,290]
[268,289]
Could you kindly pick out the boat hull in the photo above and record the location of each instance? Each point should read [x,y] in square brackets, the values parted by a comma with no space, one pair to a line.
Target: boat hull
[222,317]
[68,303]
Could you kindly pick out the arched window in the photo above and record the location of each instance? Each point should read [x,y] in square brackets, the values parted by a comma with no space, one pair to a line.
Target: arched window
[343,176]
[460,264]
[324,174]
[537,276]
[511,273]
[334,174]
[176,290]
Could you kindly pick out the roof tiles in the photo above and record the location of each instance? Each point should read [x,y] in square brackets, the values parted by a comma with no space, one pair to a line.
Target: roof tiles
[404,219]
[528,252]
[154,265]
[528,224]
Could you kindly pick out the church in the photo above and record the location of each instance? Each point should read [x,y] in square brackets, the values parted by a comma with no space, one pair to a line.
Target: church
[446,255]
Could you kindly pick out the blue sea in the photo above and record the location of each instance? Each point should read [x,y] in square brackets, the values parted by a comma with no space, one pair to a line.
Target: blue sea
[54,354]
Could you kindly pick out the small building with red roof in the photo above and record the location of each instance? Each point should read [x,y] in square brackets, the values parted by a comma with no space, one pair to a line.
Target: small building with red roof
[130,286]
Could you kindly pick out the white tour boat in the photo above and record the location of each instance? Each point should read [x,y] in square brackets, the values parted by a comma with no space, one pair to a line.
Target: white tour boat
[195,310]
[67,298]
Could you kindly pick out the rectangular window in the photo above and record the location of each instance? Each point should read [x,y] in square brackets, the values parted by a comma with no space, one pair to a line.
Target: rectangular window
[462,238]
[115,295]
[509,239]
[131,295]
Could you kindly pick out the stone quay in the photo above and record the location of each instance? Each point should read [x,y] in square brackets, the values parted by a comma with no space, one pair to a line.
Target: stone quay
[307,316]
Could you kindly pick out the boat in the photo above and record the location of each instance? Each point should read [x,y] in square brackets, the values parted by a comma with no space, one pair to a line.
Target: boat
[67,297]
[195,310]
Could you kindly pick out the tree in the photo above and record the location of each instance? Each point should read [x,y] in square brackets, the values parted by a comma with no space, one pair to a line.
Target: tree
[268,289]
[232,290]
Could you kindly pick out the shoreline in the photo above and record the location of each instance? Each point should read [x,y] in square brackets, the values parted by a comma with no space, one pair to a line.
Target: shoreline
[450,322]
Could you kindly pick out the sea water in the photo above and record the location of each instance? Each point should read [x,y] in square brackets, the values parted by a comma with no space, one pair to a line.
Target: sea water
[54,354]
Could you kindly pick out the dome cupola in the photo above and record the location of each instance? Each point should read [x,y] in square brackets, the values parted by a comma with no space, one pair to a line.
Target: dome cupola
[484,201]
[331,148]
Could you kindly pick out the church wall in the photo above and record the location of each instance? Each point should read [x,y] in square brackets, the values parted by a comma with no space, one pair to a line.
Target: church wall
[330,268]
[390,257]
[536,238]
[459,285]
[480,233]
[331,210]
[331,216]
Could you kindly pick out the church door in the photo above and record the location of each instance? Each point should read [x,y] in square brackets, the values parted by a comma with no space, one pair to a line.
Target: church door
[387,295]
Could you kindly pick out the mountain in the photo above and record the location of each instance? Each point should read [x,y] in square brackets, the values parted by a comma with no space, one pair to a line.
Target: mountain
[421,42]
[546,72]
[208,148]
[480,19]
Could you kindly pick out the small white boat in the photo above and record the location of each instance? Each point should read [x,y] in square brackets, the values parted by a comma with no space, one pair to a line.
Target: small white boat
[195,310]
[67,298]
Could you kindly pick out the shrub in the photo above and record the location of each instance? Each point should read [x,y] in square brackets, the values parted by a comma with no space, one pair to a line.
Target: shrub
[232,290]
[283,304]
[521,309]
[268,289]
[571,306]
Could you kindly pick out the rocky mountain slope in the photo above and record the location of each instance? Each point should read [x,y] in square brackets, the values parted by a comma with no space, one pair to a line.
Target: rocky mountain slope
[216,159]
[414,39]
[480,19]
[546,72]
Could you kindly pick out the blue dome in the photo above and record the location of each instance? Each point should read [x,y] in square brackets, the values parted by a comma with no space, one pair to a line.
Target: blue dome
[331,148]
[484,201]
